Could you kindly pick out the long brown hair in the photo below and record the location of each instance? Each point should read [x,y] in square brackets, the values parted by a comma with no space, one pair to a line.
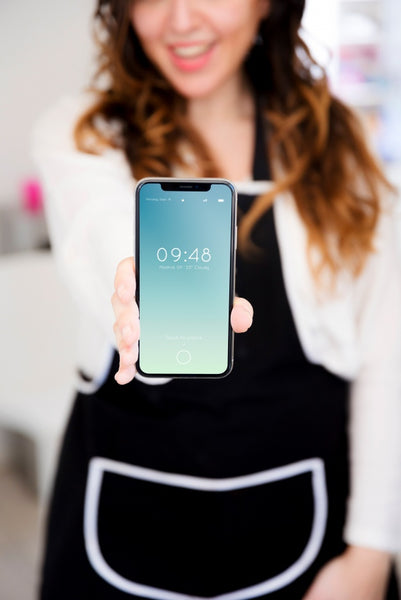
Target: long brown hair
[317,146]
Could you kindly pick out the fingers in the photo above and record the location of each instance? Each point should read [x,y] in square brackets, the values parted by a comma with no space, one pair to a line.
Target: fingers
[124,281]
[126,326]
[241,315]
[125,373]
[126,333]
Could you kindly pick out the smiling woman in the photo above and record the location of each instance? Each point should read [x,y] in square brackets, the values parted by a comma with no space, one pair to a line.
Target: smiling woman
[280,481]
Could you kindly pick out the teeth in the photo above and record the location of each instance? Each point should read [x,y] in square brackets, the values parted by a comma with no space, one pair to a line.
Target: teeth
[191,51]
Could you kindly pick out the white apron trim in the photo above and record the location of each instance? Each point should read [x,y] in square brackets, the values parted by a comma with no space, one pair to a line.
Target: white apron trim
[98,465]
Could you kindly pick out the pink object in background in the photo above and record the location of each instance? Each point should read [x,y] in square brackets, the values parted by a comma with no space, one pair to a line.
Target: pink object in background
[32,195]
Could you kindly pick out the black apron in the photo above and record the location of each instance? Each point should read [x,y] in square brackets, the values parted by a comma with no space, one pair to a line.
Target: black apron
[228,489]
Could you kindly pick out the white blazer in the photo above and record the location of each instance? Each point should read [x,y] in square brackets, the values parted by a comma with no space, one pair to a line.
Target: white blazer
[355,332]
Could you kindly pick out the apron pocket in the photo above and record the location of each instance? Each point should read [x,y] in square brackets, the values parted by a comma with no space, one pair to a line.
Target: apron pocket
[172,537]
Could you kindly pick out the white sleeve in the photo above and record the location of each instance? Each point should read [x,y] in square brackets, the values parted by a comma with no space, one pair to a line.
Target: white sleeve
[374,510]
[89,209]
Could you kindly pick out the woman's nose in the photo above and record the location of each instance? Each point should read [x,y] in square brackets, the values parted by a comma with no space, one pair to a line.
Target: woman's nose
[183,15]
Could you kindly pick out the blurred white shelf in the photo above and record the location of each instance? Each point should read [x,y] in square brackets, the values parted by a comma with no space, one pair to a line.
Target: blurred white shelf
[358,1]
[393,171]
[361,95]
[352,39]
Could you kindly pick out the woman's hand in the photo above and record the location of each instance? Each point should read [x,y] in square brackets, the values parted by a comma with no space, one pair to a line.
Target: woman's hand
[357,574]
[126,327]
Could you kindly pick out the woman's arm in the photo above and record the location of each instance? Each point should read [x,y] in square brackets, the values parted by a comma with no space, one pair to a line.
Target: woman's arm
[373,525]
[89,203]
[358,574]
[374,509]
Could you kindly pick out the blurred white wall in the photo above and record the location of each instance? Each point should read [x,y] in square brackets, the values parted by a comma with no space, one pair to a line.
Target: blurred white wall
[46,51]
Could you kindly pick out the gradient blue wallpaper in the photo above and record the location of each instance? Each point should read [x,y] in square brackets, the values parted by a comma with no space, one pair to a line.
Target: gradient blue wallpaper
[184,280]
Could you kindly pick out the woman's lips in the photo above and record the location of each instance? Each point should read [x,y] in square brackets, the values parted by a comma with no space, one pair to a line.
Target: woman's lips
[191,57]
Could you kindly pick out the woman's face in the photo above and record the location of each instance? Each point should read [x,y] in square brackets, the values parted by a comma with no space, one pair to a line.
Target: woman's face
[198,45]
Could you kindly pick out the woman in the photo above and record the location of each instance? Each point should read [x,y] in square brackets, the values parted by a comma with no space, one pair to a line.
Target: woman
[234,488]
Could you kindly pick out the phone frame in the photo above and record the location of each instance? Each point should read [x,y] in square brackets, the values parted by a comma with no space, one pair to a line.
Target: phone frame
[192,184]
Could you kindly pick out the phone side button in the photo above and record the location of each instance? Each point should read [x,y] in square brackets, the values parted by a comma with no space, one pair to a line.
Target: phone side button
[183,357]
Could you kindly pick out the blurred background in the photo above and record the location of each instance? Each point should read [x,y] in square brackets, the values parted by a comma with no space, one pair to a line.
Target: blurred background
[46,52]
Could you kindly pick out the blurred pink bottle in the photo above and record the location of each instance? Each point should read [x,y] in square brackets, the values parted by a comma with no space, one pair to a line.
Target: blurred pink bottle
[32,195]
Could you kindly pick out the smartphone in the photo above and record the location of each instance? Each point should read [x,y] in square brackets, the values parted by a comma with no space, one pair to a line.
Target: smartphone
[185,236]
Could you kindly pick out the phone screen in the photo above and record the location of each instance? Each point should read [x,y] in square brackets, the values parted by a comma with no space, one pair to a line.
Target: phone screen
[185,242]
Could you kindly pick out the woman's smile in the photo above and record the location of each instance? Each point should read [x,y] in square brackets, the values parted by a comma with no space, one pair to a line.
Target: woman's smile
[191,57]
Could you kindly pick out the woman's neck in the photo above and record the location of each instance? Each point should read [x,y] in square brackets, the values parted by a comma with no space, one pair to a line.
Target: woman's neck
[225,121]
[232,101]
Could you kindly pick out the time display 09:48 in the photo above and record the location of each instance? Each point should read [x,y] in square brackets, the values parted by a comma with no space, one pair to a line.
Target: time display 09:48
[176,254]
